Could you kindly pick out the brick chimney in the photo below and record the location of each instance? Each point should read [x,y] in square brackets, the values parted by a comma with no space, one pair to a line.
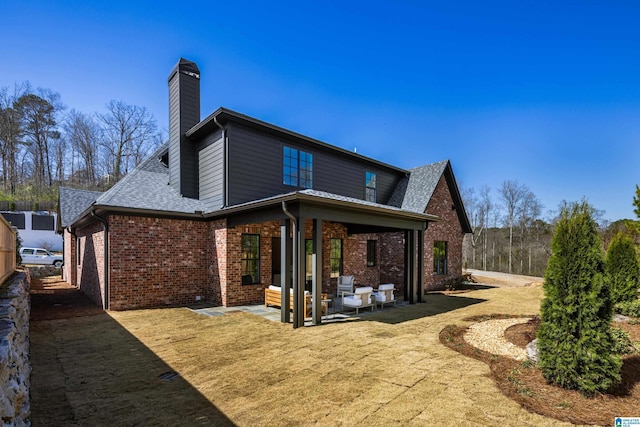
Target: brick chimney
[184,113]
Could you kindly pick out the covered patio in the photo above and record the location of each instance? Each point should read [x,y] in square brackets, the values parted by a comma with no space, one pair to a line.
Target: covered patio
[333,315]
[296,211]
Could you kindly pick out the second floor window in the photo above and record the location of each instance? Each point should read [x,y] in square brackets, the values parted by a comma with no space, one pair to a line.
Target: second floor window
[297,168]
[370,187]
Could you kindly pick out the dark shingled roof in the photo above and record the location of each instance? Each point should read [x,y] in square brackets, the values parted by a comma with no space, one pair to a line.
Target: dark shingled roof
[422,183]
[413,193]
[331,196]
[147,187]
[73,202]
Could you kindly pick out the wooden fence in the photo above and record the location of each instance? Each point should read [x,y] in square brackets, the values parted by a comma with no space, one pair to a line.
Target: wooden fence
[27,205]
[7,250]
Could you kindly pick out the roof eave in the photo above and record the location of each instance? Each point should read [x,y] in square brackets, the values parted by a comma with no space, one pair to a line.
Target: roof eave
[297,196]
[85,216]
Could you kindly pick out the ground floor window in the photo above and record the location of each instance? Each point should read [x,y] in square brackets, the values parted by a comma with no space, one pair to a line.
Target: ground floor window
[371,253]
[250,259]
[335,257]
[440,257]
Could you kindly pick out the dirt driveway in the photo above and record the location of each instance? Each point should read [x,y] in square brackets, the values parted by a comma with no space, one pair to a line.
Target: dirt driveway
[176,367]
[503,279]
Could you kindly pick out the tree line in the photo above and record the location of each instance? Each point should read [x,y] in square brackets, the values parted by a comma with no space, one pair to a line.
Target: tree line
[509,234]
[512,232]
[44,144]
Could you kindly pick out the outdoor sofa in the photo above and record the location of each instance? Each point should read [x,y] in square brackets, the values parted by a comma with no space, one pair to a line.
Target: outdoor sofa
[273,297]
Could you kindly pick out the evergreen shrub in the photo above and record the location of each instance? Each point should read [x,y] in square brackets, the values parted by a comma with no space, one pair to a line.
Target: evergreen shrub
[622,269]
[574,339]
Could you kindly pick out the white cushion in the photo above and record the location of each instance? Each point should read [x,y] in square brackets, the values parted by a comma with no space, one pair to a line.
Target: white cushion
[386,287]
[352,302]
[380,296]
[363,290]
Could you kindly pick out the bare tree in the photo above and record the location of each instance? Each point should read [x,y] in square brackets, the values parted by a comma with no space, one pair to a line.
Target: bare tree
[130,132]
[38,114]
[478,209]
[470,205]
[512,194]
[485,206]
[10,135]
[83,134]
[529,211]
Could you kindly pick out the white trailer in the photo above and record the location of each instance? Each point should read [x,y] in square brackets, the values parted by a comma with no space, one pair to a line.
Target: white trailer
[36,228]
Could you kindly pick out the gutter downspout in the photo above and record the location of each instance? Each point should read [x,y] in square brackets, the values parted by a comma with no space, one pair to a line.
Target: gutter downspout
[106,257]
[74,255]
[225,155]
[294,273]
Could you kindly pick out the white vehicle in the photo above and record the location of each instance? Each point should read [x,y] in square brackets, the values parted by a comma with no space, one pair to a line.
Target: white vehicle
[40,256]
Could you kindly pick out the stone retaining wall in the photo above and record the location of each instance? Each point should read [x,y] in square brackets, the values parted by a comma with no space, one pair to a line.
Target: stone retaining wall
[15,368]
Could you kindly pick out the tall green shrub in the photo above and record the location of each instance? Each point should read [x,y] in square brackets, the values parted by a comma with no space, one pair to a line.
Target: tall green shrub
[623,271]
[574,340]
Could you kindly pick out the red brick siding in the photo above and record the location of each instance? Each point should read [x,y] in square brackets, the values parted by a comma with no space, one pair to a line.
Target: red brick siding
[355,259]
[217,262]
[331,230]
[90,268]
[236,292]
[391,247]
[156,262]
[449,230]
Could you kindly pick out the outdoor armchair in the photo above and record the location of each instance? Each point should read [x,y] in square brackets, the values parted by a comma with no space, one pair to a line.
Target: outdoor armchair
[384,294]
[345,284]
[360,298]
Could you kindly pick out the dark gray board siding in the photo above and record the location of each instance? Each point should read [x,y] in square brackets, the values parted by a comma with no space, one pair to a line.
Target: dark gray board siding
[184,113]
[174,133]
[255,170]
[255,166]
[211,170]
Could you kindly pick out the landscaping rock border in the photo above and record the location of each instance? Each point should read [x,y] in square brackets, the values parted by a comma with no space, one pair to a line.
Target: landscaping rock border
[15,367]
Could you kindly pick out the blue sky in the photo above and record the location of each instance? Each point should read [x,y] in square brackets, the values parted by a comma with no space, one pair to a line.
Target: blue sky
[543,92]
